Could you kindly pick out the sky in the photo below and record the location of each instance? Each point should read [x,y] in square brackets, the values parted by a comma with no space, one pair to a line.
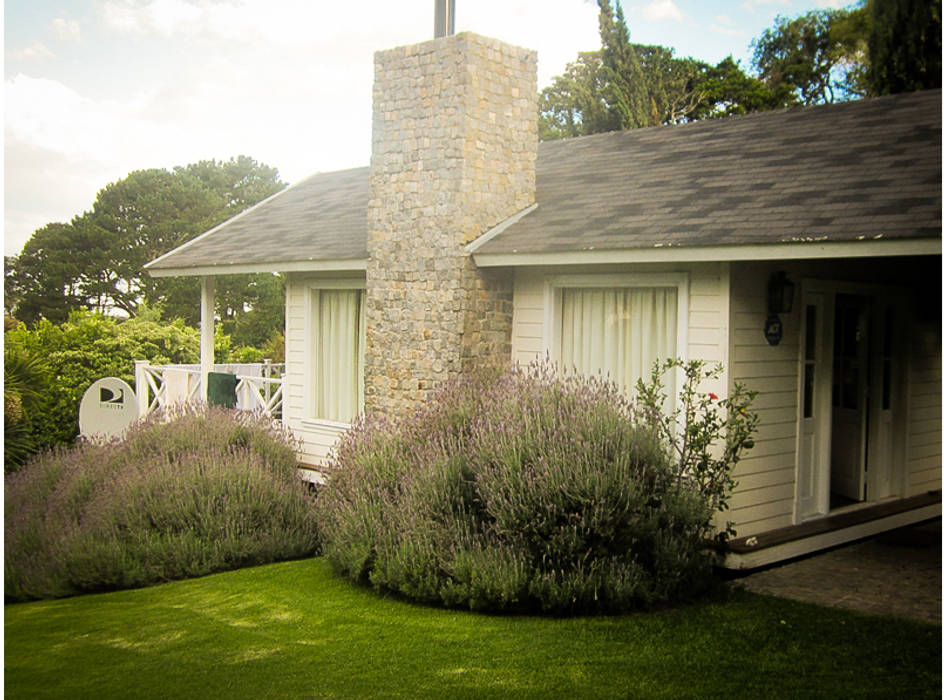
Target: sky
[95,89]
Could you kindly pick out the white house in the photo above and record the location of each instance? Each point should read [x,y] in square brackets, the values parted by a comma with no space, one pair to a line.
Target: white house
[467,241]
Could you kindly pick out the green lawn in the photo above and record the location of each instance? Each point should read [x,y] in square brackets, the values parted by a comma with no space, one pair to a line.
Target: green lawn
[294,630]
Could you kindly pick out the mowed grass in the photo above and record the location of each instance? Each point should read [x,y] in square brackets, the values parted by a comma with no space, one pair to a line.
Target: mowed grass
[295,630]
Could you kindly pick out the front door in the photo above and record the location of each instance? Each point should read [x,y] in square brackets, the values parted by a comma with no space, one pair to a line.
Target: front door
[850,411]
[850,399]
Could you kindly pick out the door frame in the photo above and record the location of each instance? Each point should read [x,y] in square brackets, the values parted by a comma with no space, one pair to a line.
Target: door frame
[886,474]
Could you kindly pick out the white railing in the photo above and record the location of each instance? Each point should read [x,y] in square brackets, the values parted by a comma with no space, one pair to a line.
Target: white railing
[258,387]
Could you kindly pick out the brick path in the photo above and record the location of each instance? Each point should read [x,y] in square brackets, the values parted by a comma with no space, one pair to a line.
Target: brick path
[897,573]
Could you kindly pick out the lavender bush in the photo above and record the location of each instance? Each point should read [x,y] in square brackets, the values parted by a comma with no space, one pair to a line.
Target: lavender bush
[516,491]
[206,492]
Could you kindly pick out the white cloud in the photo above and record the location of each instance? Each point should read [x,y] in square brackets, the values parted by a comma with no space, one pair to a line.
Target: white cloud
[36,51]
[661,10]
[66,29]
[285,81]
[723,24]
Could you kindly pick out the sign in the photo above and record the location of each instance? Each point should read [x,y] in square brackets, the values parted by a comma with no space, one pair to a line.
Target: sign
[108,407]
[773,330]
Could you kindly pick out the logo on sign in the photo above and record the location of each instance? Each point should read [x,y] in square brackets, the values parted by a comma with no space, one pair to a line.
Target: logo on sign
[112,399]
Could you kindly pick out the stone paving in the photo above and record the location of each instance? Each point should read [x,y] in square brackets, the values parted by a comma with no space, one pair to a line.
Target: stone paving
[897,573]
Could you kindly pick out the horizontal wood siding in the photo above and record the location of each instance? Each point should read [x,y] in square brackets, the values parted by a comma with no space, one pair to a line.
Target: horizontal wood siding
[316,438]
[764,497]
[924,409]
[707,310]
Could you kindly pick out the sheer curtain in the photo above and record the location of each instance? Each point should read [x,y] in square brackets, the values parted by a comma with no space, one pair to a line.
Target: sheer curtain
[619,332]
[338,354]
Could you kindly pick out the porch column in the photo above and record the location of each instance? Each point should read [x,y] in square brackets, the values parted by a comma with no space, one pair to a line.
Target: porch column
[207,307]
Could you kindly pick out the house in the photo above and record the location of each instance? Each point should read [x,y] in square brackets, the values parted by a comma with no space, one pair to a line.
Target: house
[800,248]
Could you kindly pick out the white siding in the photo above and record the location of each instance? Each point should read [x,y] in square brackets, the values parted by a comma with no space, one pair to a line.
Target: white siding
[764,497]
[707,310]
[924,409]
[316,437]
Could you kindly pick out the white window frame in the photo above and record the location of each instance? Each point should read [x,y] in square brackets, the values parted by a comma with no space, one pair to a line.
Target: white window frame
[319,285]
[553,305]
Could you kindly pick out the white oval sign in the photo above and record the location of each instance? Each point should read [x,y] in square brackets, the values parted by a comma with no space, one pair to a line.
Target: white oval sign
[108,407]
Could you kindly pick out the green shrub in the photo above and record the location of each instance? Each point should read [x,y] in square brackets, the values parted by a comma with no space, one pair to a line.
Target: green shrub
[517,491]
[206,492]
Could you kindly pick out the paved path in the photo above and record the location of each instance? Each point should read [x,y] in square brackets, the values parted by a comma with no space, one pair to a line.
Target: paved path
[897,573]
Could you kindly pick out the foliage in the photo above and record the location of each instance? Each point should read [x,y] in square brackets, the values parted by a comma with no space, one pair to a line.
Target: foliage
[625,85]
[518,491]
[25,383]
[707,435]
[86,348]
[204,492]
[819,56]
[96,261]
[247,633]
[904,46]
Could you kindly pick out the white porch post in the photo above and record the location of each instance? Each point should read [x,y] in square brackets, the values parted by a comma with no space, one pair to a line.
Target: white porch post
[141,387]
[207,307]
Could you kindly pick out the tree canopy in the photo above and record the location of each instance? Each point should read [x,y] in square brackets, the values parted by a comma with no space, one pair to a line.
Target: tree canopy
[96,261]
[904,46]
[873,48]
[625,85]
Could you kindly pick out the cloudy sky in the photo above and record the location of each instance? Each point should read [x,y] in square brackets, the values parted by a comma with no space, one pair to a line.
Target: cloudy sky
[94,89]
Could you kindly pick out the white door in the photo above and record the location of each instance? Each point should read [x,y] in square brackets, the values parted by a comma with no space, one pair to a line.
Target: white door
[814,406]
[884,402]
[850,399]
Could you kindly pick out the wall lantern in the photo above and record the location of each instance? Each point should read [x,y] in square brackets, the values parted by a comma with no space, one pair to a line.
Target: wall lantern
[779,301]
[780,294]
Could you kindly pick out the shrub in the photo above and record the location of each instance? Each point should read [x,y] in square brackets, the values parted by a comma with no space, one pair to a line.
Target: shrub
[205,492]
[516,491]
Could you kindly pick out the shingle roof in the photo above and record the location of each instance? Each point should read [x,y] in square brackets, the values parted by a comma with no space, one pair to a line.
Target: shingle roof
[320,218]
[865,169]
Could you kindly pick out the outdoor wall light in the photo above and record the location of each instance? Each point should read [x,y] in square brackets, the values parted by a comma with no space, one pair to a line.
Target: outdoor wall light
[779,301]
[780,294]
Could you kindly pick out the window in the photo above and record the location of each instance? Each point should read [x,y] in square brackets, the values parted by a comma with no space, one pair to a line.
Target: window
[619,325]
[337,324]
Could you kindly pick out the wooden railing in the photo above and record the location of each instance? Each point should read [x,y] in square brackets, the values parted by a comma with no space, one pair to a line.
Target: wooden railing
[258,387]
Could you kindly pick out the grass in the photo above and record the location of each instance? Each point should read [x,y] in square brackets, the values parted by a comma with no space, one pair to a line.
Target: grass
[295,630]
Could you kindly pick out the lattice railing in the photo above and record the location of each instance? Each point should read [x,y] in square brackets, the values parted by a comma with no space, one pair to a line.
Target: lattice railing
[259,386]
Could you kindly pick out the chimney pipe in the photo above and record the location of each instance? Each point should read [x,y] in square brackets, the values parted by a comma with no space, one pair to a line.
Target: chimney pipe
[445,23]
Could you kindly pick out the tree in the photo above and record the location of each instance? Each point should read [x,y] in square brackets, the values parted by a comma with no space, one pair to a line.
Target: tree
[625,85]
[96,261]
[818,57]
[627,106]
[904,46]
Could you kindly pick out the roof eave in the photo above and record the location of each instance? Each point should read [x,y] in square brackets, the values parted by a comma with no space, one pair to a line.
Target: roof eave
[799,250]
[353,265]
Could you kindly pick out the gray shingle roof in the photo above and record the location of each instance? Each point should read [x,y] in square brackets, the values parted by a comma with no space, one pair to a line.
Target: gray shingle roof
[843,172]
[320,218]
[857,170]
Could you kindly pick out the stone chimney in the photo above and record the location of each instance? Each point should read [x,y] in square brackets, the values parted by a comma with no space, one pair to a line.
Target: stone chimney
[454,149]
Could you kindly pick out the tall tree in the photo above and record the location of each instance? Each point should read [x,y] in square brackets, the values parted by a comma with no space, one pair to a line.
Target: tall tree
[904,46]
[96,261]
[819,56]
[626,101]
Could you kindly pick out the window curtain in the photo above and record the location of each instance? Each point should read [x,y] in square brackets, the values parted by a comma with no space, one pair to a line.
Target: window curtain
[338,354]
[620,332]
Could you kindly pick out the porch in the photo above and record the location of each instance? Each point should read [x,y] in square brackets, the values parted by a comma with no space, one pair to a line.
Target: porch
[258,386]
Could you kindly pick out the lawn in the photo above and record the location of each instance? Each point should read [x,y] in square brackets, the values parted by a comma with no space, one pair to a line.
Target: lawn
[295,630]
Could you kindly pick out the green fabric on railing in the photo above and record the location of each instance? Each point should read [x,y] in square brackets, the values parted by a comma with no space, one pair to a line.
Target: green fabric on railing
[221,389]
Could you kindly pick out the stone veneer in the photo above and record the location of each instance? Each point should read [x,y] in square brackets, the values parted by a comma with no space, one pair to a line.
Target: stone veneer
[454,149]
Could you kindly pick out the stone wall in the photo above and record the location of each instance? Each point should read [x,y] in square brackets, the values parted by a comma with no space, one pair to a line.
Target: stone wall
[454,149]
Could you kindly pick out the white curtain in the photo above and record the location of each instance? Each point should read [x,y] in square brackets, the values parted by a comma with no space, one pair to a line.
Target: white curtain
[620,332]
[338,353]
